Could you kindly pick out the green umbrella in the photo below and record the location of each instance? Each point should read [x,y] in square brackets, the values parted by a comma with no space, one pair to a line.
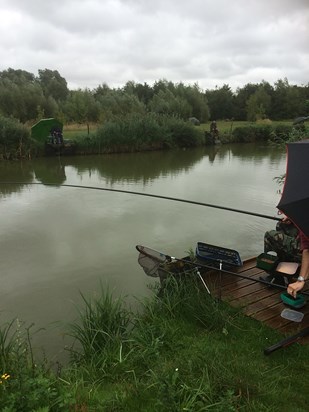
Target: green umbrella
[300,120]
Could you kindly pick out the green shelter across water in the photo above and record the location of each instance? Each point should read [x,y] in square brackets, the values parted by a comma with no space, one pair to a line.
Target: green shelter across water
[44,129]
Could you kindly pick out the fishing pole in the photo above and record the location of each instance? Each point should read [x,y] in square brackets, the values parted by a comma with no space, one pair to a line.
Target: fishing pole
[148,253]
[175,199]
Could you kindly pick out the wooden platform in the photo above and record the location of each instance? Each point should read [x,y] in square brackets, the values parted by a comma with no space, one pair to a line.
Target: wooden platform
[257,300]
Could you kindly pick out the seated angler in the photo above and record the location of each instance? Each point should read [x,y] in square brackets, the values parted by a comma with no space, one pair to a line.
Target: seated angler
[284,241]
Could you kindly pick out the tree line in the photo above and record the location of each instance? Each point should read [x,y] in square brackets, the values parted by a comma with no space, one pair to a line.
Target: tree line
[27,98]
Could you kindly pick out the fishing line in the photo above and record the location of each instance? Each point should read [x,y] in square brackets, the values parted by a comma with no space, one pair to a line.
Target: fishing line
[175,199]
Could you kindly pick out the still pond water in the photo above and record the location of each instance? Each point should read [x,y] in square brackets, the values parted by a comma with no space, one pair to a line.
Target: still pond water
[56,242]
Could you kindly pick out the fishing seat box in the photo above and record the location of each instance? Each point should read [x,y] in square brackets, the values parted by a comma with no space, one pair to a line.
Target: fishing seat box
[215,254]
[287,269]
[271,263]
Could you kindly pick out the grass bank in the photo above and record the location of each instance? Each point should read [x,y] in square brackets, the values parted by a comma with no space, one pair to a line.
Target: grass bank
[183,351]
[134,132]
[153,132]
[224,126]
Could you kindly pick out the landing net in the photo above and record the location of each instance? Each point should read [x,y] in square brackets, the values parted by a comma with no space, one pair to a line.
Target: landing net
[151,260]
[157,264]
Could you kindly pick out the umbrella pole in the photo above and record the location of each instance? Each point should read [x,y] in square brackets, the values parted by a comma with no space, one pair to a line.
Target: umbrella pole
[287,341]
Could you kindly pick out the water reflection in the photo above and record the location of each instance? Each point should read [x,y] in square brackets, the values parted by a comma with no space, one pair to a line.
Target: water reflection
[57,241]
[14,172]
[136,167]
[49,172]
[133,167]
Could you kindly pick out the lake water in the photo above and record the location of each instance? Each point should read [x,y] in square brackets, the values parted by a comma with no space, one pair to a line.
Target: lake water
[57,241]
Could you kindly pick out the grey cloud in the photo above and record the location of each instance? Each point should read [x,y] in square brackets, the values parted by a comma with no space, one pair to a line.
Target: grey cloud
[90,41]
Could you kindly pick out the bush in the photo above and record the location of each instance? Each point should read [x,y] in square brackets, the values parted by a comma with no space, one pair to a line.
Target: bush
[14,138]
[149,131]
[252,133]
[182,134]
[283,131]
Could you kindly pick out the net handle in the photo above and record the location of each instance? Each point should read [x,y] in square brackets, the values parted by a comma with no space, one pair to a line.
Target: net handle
[141,250]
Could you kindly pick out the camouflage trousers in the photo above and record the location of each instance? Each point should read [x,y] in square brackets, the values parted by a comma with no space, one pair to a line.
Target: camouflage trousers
[287,247]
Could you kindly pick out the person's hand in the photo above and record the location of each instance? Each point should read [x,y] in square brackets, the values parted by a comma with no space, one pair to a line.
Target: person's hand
[295,287]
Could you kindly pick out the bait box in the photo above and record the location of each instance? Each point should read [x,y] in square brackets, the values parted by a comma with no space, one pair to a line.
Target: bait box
[266,261]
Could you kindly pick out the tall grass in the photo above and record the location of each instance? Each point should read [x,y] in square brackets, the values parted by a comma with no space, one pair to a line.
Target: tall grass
[182,350]
[137,132]
[187,351]
[100,332]
[149,131]
[26,385]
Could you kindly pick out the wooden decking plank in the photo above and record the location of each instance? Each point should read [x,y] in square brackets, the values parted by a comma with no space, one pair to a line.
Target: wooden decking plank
[248,292]
[272,311]
[243,291]
[258,295]
[233,289]
[259,305]
[259,301]
[230,282]
[278,322]
[296,326]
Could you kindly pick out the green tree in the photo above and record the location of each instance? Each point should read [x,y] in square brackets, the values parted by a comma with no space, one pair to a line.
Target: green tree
[118,103]
[295,103]
[53,85]
[198,102]
[142,91]
[162,85]
[50,107]
[221,102]
[102,90]
[280,100]
[81,107]
[18,77]
[241,98]
[165,102]
[258,105]
[20,95]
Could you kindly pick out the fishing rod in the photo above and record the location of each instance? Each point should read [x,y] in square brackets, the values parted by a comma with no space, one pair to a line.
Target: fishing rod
[175,199]
[151,253]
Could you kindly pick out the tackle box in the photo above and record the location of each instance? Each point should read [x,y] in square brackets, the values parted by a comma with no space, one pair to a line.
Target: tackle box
[212,253]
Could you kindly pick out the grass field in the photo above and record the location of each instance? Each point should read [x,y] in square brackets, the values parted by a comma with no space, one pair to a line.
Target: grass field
[225,126]
[74,131]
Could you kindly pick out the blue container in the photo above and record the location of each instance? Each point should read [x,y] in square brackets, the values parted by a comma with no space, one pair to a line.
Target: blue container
[212,253]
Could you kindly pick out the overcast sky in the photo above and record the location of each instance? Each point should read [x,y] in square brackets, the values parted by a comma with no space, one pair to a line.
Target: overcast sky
[211,42]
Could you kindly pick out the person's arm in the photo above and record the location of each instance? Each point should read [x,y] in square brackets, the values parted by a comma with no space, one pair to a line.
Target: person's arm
[295,287]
